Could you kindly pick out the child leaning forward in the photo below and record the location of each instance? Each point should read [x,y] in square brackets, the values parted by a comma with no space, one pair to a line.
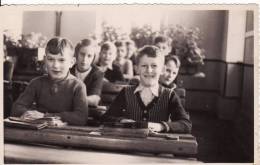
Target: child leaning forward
[57,94]
[149,101]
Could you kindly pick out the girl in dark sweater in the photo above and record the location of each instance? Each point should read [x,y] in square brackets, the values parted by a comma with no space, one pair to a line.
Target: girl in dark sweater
[85,70]
[107,56]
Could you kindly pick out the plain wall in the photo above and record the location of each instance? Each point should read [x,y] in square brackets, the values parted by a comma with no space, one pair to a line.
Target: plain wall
[40,22]
[211,24]
[236,36]
[77,25]
[244,117]
[12,21]
[202,93]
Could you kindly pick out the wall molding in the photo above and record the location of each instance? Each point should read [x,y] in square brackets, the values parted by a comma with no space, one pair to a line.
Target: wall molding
[204,90]
[226,62]
[219,91]
[213,91]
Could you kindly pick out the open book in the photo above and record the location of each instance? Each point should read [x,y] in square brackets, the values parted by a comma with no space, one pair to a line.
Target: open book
[33,123]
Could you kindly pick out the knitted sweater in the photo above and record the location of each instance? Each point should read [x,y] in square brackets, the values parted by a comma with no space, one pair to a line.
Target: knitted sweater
[93,81]
[66,99]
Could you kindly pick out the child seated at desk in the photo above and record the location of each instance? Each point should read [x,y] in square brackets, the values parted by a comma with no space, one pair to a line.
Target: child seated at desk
[125,65]
[131,52]
[85,70]
[57,94]
[163,43]
[172,66]
[150,102]
[106,57]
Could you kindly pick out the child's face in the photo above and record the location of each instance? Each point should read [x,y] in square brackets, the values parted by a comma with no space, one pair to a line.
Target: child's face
[58,65]
[107,57]
[85,58]
[164,47]
[130,50]
[149,69]
[170,73]
[121,52]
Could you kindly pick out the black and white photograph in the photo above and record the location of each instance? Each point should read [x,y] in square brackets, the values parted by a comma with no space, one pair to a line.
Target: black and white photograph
[117,84]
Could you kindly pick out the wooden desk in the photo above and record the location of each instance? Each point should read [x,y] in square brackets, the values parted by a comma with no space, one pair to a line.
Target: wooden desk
[77,145]
[24,153]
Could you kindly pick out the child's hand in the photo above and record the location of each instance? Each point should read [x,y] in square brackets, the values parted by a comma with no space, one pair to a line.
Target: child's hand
[155,127]
[32,115]
[105,80]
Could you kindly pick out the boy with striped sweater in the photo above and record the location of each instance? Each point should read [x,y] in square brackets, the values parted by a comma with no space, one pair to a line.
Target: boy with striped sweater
[149,101]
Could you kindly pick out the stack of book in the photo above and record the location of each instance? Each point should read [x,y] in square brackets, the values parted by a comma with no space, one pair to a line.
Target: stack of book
[33,123]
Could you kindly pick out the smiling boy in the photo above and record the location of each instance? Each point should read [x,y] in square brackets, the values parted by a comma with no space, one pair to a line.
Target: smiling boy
[149,101]
[170,73]
[57,94]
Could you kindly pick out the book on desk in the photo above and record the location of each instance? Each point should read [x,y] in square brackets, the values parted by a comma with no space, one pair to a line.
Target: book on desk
[35,124]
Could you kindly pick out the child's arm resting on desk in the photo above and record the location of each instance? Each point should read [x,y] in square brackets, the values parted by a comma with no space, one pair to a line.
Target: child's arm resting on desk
[180,120]
[115,111]
[25,100]
[95,88]
[79,113]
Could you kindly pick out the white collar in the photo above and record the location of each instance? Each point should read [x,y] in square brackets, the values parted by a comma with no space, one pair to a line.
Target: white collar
[110,66]
[154,89]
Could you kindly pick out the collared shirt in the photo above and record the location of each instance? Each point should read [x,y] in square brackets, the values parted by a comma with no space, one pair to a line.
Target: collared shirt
[166,109]
[147,94]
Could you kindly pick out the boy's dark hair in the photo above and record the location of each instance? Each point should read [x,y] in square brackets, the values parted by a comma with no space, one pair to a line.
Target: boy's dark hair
[149,51]
[107,45]
[120,44]
[173,58]
[57,45]
[162,39]
[83,43]
[130,42]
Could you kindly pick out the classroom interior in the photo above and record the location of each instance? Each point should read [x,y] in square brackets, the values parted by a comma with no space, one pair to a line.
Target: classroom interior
[220,103]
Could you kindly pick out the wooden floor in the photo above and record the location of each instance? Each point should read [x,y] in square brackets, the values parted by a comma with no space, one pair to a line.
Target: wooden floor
[214,139]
